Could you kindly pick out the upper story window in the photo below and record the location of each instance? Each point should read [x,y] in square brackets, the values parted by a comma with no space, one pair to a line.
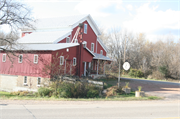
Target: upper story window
[92,47]
[20,59]
[84,44]
[74,61]
[4,58]
[61,60]
[85,28]
[35,59]
[76,41]
[67,40]
[102,52]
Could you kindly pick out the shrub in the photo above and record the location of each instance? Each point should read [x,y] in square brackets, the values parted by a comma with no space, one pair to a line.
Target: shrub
[139,73]
[92,93]
[42,91]
[136,73]
[163,70]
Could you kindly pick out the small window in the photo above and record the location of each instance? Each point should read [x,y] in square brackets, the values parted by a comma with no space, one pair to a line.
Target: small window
[84,44]
[92,47]
[102,52]
[20,58]
[38,81]
[67,40]
[85,28]
[61,60]
[35,59]
[76,41]
[74,61]
[25,79]
[4,58]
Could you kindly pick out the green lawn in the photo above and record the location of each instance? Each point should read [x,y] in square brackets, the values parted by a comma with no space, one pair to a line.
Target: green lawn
[123,97]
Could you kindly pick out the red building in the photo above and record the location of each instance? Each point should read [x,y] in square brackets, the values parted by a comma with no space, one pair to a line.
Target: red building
[57,42]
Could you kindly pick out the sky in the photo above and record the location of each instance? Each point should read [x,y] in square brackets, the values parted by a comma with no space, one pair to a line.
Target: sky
[157,19]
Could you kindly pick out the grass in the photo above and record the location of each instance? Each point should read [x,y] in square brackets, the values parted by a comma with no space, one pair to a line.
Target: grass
[122,97]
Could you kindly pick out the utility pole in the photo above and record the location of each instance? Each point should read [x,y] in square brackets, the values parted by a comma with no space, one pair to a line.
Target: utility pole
[125,49]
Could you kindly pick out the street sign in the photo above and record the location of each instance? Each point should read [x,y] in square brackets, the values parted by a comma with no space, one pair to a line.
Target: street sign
[126,66]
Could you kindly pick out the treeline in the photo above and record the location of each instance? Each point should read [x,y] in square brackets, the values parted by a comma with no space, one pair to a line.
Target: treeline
[159,60]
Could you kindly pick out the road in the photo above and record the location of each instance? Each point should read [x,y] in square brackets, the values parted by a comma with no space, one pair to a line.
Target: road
[168,90]
[90,110]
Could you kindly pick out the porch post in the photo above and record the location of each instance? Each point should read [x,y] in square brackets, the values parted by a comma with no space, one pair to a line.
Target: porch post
[84,68]
[97,66]
[104,67]
[65,68]
[89,68]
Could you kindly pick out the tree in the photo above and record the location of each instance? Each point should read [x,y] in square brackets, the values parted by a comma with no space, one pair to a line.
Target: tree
[16,16]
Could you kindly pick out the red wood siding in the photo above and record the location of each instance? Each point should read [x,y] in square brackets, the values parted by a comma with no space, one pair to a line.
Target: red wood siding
[99,48]
[27,67]
[24,33]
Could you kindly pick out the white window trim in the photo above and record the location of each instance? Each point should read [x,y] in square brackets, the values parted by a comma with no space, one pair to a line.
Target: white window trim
[26,80]
[101,51]
[37,81]
[84,44]
[75,61]
[4,55]
[93,47]
[62,61]
[86,27]
[19,58]
[66,39]
[34,59]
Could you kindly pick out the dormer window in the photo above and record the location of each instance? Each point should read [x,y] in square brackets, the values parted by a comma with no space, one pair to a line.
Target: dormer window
[67,40]
[85,28]
[84,44]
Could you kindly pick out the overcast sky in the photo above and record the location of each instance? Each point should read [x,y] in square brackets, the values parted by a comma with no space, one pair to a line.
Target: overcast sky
[155,18]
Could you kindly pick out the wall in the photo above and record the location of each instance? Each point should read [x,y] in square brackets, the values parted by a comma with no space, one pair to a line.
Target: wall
[27,67]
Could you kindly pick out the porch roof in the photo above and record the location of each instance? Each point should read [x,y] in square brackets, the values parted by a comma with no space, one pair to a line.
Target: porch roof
[101,57]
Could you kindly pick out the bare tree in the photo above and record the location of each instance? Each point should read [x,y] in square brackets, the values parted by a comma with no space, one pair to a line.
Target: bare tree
[16,16]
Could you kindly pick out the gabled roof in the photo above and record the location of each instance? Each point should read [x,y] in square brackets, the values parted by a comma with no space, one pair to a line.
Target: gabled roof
[43,47]
[44,37]
[102,44]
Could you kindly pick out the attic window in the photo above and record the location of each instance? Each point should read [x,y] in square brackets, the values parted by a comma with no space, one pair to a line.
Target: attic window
[67,40]
[85,28]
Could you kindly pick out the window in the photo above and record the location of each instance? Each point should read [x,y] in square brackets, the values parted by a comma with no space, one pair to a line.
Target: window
[61,60]
[102,52]
[76,41]
[74,61]
[92,47]
[20,58]
[38,81]
[67,40]
[84,44]
[35,59]
[85,28]
[4,58]
[25,79]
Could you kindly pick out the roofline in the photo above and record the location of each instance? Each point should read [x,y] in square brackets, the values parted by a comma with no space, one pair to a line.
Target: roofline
[89,51]
[101,43]
[101,59]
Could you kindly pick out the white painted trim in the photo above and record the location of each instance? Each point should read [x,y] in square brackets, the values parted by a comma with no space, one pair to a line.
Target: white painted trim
[34,59]
[74,58]
[61,38]
[19,57]
[103,46]
[86,28]
[62,60]
[4,55]
[37,81]
[89,51]
[91,47]
[84,68]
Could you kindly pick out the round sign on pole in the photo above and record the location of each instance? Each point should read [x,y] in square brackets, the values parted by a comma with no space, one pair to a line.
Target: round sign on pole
[126,66]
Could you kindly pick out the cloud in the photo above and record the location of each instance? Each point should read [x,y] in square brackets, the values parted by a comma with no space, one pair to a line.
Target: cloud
[129,7]
[94,7]
[148,19]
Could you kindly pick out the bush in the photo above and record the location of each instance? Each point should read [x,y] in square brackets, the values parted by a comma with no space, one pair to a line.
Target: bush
[92,93]
[164,70]
[136,73]
[42,91]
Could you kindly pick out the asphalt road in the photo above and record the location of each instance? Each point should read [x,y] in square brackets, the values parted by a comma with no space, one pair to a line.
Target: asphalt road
[168,90]
[92,110]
